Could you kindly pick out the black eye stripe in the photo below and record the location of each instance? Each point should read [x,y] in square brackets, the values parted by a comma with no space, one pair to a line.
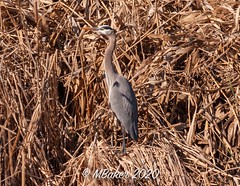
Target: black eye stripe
[106,28]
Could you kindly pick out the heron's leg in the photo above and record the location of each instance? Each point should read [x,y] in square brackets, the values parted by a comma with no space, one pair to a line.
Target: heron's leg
[123,144]
[115,129]
[114,134]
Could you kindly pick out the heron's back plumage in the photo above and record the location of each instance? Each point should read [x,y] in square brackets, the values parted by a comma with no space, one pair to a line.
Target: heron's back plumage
[124,104]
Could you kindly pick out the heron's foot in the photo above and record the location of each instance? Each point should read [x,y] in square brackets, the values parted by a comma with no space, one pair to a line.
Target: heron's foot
[124,151]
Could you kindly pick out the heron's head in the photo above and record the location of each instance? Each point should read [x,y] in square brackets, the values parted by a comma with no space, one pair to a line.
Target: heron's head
[102,30]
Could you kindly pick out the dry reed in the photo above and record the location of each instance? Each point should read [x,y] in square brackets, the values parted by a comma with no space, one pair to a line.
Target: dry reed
[182,58]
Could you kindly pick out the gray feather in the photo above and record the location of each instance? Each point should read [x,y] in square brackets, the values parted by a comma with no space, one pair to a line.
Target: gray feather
[124,105]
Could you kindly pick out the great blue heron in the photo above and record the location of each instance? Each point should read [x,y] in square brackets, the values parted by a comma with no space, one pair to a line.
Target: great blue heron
[121,96]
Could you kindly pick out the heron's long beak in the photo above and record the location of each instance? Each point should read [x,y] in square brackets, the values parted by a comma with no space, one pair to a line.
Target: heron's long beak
[90,28]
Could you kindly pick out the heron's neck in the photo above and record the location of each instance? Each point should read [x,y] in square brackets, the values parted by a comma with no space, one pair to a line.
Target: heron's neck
[108,61]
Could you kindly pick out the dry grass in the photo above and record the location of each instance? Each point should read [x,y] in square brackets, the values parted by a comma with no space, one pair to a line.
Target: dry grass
[182,58]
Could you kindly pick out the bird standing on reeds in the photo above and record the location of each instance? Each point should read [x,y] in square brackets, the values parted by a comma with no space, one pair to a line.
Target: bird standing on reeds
[121,96]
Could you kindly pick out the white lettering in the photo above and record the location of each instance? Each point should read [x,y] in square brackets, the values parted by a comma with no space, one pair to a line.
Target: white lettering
[105,173]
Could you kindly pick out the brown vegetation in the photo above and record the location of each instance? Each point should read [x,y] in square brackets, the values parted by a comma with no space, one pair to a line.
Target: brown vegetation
[182,58]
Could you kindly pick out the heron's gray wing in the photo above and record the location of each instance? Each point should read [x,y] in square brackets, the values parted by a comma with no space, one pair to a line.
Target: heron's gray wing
[124,105]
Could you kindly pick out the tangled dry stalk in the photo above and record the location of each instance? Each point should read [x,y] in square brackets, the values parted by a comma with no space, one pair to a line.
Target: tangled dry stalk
[182,58]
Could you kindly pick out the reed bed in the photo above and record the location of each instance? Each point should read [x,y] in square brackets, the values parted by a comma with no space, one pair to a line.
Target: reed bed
[182,59]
